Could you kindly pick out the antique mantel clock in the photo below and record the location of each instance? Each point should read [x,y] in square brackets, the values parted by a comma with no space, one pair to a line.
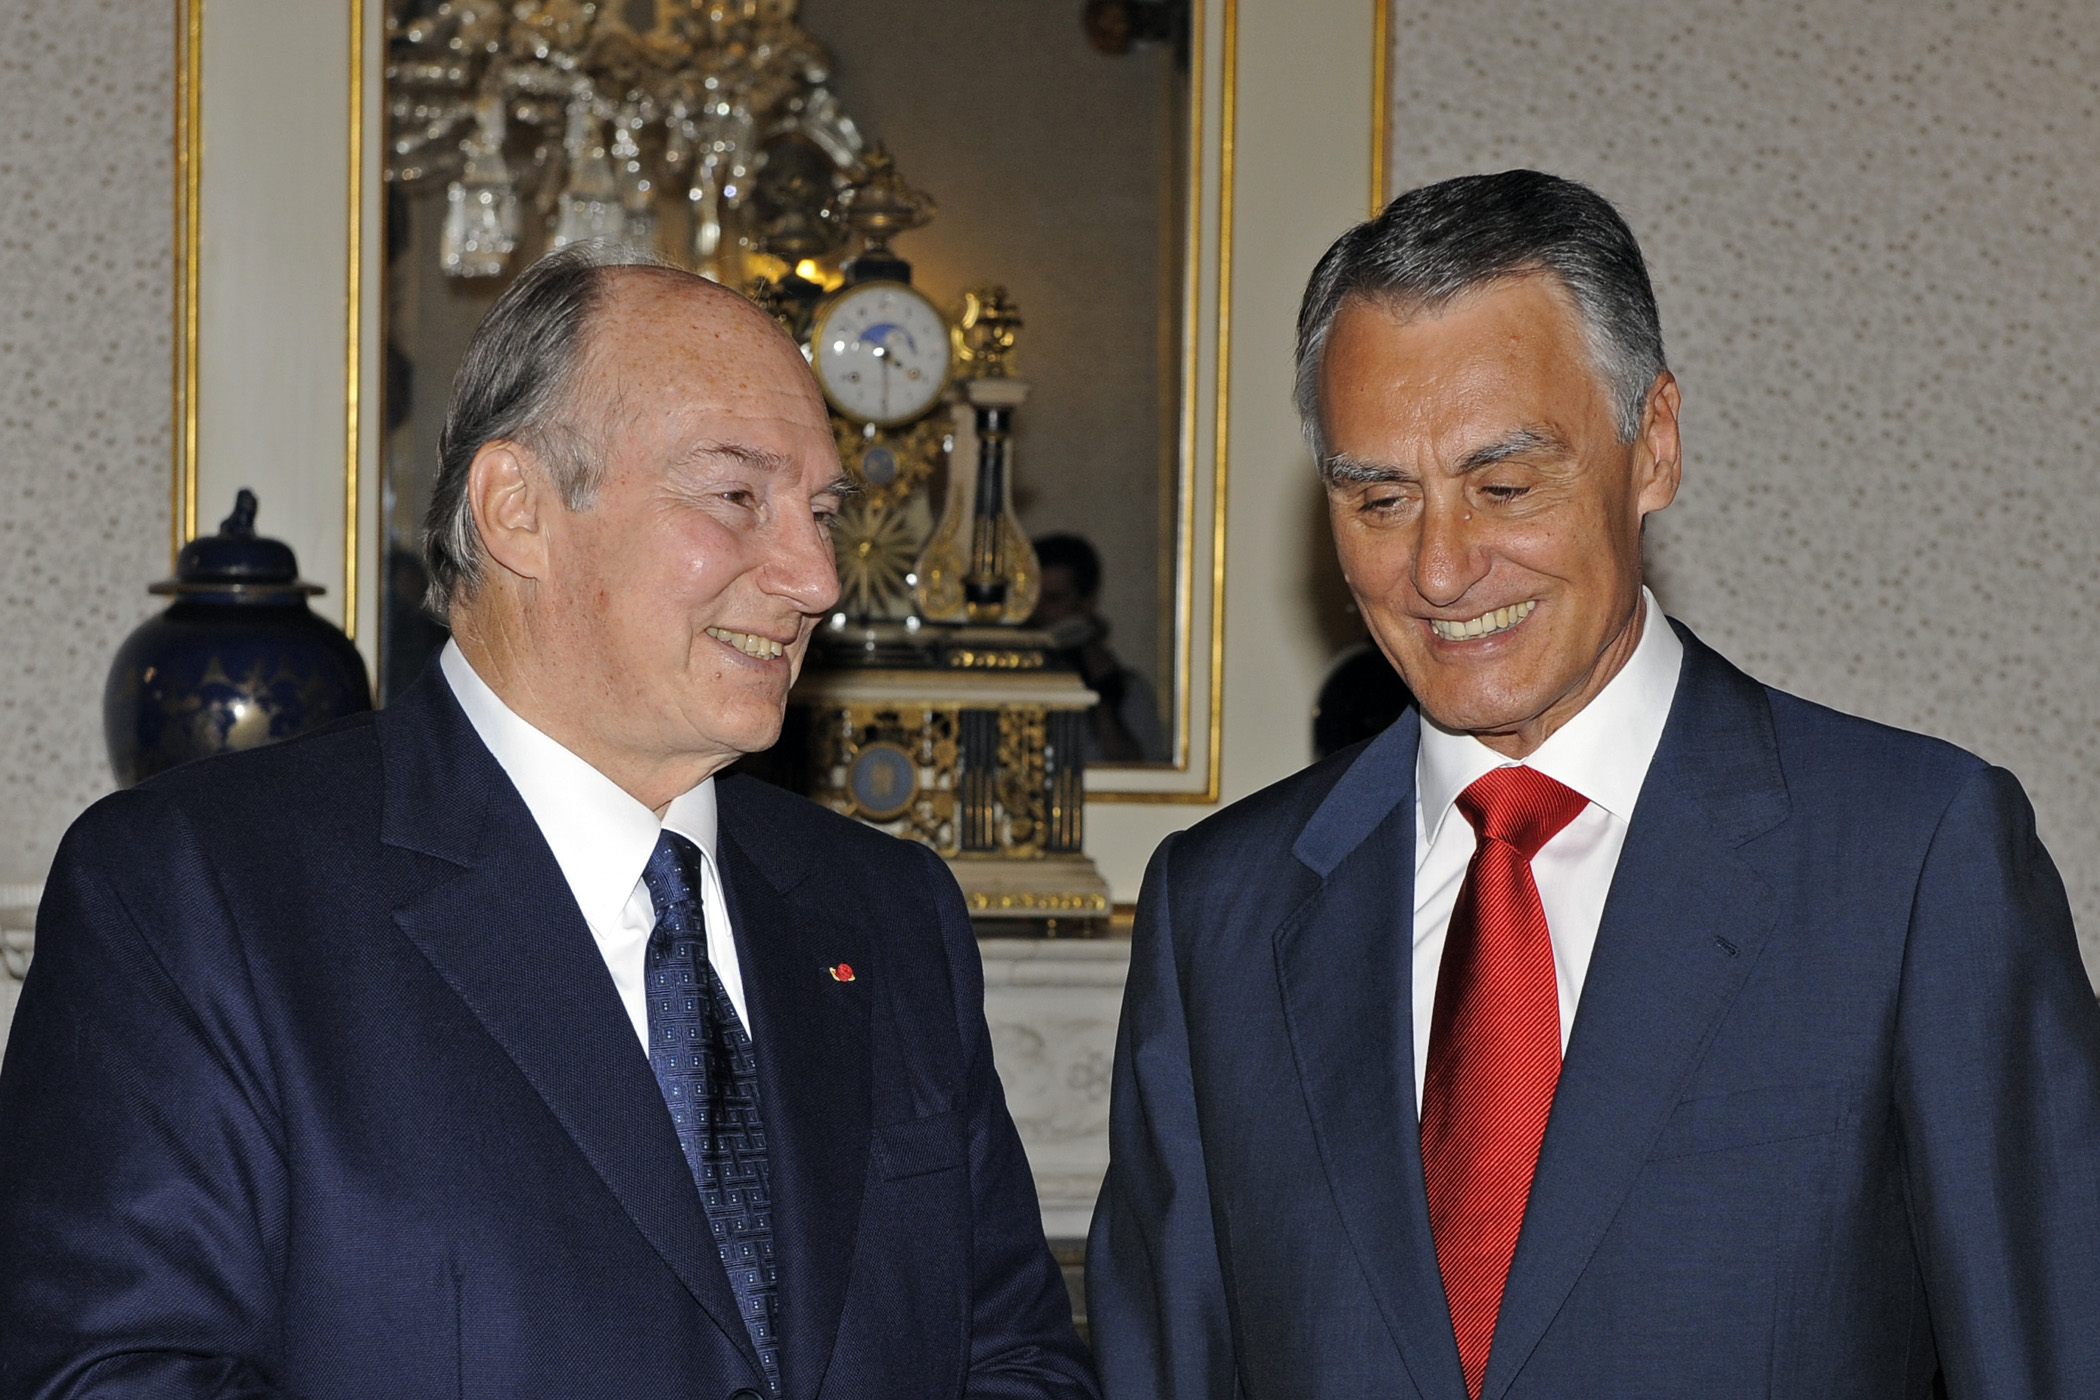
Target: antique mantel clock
[880,349]
[926,708]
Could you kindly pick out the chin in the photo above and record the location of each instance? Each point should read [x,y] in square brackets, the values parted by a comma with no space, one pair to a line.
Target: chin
[754,737]
[1475,713]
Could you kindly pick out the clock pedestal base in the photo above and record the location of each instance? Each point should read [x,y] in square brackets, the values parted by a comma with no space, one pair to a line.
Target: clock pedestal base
[964,739]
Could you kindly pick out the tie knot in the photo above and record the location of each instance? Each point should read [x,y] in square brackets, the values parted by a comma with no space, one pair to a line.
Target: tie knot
[672,873]
[1520,807]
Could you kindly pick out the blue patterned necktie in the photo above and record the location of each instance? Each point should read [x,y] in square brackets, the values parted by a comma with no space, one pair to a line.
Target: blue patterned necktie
[709,1077]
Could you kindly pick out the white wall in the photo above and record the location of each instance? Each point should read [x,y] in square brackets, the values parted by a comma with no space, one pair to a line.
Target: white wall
[1872,230]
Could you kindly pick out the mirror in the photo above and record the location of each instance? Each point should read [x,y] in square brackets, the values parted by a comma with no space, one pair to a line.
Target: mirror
[1054,140]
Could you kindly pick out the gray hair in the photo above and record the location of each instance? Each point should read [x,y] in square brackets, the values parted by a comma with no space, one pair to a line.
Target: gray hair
[1434,243]
[517,384]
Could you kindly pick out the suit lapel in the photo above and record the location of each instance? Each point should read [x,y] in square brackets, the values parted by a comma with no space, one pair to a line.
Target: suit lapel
[1682,927]
[506,935]
[1344,965]
[811,1036]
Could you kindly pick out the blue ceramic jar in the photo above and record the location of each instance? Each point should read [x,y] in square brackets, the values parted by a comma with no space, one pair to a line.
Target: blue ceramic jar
[236,661]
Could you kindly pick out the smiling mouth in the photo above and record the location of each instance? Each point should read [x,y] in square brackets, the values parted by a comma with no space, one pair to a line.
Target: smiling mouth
[749,643]
[1485,625]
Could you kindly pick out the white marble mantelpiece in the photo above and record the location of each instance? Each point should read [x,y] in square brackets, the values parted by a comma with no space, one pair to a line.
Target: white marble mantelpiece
[1052,1005]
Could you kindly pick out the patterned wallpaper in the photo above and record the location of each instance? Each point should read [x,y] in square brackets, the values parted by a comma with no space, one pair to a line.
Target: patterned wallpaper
[1874,230]
[86,123]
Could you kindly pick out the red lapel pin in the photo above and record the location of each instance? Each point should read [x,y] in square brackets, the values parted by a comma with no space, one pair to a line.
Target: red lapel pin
[842,973]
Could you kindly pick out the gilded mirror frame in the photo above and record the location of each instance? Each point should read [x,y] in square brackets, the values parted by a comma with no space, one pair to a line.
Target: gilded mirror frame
[212,449]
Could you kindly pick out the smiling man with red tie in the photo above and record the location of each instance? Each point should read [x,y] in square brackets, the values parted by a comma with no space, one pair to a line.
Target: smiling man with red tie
[1613,1025]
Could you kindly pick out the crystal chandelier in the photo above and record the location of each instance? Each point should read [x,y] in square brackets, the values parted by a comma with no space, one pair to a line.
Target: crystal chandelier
[655,138]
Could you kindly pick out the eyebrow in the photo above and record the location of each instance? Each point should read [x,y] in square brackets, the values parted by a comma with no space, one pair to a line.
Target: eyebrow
[1341,469]
[760,459]
[1516,444]
[750,456]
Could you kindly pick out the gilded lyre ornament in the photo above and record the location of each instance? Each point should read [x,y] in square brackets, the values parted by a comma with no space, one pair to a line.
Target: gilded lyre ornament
[986,331]
[978,565]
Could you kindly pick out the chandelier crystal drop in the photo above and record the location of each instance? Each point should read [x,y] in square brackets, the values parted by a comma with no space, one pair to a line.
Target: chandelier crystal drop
[645,123]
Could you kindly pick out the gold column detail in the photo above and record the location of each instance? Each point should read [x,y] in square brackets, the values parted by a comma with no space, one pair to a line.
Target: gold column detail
[353,317]
[189,159]
[1381,101]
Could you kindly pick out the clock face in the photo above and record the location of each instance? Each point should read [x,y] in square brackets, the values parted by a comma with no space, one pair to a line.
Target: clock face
[880,350]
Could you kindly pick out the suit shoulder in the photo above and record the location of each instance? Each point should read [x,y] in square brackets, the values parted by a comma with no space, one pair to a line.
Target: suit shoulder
[249,794]
[777,815]
[1818,744]
[1265,822]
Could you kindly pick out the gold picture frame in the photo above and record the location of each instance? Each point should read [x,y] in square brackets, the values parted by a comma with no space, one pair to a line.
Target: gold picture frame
[1202,477]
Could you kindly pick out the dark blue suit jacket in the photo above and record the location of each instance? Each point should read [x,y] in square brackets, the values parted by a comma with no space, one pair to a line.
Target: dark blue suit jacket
[320,1087]
[1829,1122]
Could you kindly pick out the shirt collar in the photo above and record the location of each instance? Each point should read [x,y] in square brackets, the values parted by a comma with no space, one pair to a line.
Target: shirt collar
[1602,752]
[600,835]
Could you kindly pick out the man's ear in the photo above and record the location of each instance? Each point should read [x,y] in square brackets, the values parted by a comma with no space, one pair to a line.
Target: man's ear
[1658,454]
[510,496]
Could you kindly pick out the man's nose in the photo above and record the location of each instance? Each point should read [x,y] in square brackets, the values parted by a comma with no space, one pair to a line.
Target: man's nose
[802,568]
[1448,560]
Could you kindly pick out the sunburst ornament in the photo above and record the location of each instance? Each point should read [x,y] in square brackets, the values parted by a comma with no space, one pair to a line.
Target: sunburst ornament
[876,548]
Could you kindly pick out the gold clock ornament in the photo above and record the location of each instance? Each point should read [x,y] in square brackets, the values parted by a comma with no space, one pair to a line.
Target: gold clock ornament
[890,464]
[876,546]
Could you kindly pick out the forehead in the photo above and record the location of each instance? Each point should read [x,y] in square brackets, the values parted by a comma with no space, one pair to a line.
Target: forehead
[1512,349]
[666,344]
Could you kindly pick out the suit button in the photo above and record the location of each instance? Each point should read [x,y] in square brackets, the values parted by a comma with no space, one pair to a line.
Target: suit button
[745,1394]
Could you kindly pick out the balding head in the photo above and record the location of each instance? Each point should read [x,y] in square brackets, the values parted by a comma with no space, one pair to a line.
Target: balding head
[531,376]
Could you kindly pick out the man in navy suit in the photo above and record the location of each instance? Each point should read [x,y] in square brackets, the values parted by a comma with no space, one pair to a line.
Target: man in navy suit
[494,1044]
[1616,1026]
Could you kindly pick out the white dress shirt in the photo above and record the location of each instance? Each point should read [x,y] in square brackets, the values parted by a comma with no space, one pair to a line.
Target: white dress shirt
[1602,753]
[601,838]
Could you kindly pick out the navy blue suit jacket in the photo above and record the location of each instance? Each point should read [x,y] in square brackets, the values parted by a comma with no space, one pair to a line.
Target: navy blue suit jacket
[320,1087]
[1828,1124]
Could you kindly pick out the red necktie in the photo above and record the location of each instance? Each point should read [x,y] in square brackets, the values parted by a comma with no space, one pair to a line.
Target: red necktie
[1494,1051]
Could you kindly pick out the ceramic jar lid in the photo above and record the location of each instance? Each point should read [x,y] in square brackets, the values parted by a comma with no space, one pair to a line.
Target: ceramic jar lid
[237,561]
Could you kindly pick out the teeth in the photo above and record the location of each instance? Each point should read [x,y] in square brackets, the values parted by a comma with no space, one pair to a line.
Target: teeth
[1485,625]
[749,643]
